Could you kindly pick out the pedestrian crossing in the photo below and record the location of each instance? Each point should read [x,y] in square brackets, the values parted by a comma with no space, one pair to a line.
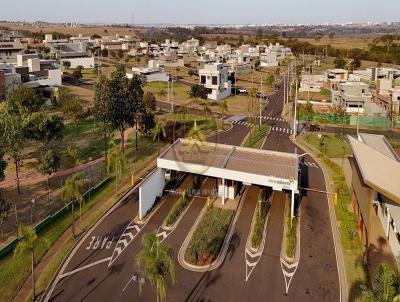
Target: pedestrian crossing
[281,129]
[264,118]
[243,123]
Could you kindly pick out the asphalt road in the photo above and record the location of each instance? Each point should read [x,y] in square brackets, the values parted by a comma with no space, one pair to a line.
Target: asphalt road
[89,277]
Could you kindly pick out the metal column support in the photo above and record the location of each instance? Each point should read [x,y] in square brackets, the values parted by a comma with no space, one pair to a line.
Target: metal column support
[223,191]
[292,206]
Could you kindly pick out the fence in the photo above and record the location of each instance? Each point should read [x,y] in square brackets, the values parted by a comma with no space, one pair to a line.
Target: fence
[41,202]
[364,121]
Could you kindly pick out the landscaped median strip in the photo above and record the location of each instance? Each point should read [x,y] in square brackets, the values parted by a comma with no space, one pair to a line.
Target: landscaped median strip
[256,240]
[197,241]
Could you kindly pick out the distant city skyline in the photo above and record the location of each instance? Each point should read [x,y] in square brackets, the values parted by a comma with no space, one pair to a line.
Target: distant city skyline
[203,12]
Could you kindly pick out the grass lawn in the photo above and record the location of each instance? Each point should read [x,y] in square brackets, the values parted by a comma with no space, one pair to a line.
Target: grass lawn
[87,141]
[179,93]
[333,146]
[257,136]
[207,240]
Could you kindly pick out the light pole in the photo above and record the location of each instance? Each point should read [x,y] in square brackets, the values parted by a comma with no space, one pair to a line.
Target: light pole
[295,114]
[33,201]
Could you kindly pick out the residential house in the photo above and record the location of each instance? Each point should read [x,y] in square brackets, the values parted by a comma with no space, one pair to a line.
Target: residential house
[311,83]
[215,77]
[155,71]
[10,50]
[355,97]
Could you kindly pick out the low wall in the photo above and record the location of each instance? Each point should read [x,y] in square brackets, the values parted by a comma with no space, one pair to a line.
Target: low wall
[152,188]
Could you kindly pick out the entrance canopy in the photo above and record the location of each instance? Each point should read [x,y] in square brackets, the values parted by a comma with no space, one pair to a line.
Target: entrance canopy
[277,170]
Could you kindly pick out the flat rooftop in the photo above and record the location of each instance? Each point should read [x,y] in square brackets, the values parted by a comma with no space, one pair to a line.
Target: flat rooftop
[232,158]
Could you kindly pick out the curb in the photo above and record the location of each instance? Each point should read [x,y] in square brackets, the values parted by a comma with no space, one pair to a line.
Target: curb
[344,291]
[221,257]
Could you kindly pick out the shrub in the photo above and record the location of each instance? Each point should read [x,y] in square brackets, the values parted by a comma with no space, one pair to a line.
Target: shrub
[209,236]
[261,216]
[179,206]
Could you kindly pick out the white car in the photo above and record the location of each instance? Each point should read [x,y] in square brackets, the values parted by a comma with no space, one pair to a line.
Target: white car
[242,90]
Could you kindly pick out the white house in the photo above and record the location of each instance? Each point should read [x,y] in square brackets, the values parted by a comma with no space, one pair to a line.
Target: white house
[269,59]
[311,83]
[215,77]
[155,71]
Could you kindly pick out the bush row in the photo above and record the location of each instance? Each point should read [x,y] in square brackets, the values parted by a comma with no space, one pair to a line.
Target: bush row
[291,233]
[261,216]
[179,205]
[348,220]
[208,238]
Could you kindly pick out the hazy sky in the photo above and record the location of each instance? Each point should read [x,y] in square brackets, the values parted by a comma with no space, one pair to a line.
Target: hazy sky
[202,11]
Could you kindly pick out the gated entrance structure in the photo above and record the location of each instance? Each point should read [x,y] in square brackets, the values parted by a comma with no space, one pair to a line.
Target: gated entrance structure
[277,170]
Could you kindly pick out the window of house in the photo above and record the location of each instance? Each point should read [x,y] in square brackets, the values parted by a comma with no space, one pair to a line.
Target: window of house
[214,80]
[203,79]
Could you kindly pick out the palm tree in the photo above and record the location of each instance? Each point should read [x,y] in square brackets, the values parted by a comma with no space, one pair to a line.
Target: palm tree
[158,264]
[26,245]
[158,130]
[386,285]
[116,163]
[182,117]
[71,194]
[223,105]
[251,121]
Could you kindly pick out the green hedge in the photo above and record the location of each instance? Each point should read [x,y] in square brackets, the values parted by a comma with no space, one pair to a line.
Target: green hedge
[179,206]
[207,240]
[291,233]
[261,216]
[348,220]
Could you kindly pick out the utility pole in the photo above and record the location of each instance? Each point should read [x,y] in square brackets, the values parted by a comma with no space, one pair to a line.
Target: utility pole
[261,95]
[358,118]
[295,114]
[284,88]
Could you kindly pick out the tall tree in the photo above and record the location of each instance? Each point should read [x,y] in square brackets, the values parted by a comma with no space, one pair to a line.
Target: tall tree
[149,101]
[198,91]
[116,164]
[156,258]
[3,163]
[158,131]
[223,105]
[77,73]
[124,97]
[339,62]
[29,99]
[101,110]
[183,112]
[25,246]
[43,128]
[12,117]
[72,194]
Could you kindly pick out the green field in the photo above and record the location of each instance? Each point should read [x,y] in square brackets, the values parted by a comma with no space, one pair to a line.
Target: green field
[332,146]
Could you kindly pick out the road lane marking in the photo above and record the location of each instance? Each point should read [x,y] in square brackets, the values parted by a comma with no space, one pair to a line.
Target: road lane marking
[288,270]
[84,267]
[130,233]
